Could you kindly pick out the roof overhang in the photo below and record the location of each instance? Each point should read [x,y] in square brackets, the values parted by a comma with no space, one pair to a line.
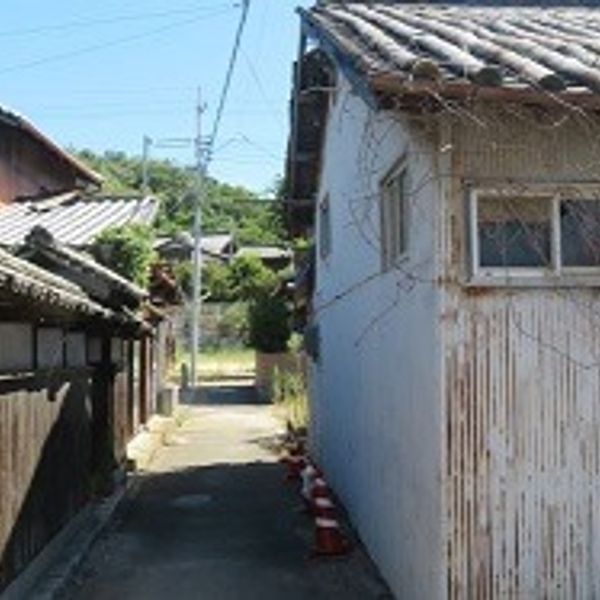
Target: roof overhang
[17,121]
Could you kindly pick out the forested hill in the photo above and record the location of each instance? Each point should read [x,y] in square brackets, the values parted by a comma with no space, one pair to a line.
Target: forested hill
[227,208]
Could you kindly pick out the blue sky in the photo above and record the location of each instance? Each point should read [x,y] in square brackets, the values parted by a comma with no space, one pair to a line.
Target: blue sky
[102,75]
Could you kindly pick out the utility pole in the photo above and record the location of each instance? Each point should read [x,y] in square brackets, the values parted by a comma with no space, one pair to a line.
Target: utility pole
[203,157]
[197,274]
[146,143]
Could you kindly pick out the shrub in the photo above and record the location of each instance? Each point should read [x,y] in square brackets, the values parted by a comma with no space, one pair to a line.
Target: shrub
[127,250]
[234,322]
[290,392]
[269,324]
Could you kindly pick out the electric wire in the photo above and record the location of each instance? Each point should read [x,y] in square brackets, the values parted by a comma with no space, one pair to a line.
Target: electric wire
[228,78]
[83,23]
[110,44]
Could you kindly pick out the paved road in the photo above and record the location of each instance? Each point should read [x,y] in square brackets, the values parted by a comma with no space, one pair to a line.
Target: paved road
[214,520]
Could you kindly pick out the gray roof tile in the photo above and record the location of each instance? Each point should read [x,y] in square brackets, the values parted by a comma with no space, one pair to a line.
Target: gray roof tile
[540,49]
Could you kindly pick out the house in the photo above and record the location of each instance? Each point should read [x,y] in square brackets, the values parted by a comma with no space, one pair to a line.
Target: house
[75,218]
[180,247]
[66,385]
[127,301]
[32,165]
[454,319]
[273,257]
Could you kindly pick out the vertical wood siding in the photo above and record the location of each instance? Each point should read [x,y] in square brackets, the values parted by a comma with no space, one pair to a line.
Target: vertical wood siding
[27,168]
[44,462]
[522,397]
[523,443]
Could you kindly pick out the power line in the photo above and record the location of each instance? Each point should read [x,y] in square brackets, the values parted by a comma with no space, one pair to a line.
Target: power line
[117,42]
[228,77]
[204,157]
[78,24]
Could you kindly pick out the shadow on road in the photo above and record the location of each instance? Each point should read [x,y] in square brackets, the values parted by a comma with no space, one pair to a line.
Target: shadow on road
[227,392]
[228,532]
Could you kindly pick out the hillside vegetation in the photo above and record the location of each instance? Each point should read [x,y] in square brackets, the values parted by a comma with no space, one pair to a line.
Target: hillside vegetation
[226,208]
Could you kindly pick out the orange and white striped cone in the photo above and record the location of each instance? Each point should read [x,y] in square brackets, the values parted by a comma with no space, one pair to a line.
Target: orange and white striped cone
[319,489]
[308,476]
[329,538]
[295,464]
[323,507]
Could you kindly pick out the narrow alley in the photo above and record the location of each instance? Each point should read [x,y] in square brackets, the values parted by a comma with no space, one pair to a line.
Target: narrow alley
[213,518]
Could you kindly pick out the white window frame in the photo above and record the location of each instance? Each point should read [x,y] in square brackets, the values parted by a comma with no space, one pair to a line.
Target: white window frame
[392,253]
[325,228]
[555,273]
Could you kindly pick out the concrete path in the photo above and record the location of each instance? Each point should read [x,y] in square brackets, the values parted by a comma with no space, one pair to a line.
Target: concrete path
[214,520]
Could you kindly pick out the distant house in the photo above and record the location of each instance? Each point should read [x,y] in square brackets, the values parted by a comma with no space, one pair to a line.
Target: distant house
[32,165]
[74,218]
[450,155]
[180,247]
[274,257]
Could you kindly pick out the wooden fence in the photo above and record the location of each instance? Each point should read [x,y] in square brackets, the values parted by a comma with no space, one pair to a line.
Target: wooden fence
[45,449]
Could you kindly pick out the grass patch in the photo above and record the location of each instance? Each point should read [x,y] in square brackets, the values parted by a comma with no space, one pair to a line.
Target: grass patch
[215,363]
[226,362]
[290,394]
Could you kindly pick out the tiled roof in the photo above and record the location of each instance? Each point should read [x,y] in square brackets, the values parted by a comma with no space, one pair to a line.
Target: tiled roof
[73,219]
[518,48]
[265,252]
[212,244]
[23,279]
[41,240]
[216,243]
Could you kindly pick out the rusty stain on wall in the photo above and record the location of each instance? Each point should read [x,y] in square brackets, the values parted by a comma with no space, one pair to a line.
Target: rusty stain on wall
[521,401]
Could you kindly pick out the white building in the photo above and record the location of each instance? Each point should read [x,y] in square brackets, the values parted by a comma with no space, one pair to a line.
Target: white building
[455,168]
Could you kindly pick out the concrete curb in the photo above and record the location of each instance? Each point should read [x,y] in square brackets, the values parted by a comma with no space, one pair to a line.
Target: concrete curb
[50,572]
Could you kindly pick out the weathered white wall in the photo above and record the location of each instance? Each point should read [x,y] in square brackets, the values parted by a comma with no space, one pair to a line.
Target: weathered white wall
[521,417]
[376,421]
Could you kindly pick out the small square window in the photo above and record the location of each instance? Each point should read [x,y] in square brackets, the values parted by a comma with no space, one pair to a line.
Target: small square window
[580,233]
[547,231]
[394,229]
[514,232]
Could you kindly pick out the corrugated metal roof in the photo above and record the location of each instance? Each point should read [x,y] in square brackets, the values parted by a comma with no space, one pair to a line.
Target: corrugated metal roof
[73,219]
[532,48]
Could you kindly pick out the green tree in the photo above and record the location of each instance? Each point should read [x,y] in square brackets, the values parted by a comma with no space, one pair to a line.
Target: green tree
[226,207]
[127,250]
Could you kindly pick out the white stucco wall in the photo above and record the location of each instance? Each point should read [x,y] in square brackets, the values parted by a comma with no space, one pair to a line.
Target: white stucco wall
[376,408]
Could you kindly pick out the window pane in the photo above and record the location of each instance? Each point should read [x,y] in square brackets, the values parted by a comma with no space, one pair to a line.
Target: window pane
[401,211]
[580,233]
[514,232]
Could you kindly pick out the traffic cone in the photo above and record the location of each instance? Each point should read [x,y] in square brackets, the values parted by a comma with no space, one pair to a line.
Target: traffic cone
[323,507]
[295,464]
[319,488]
[329,538]
[308,475]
